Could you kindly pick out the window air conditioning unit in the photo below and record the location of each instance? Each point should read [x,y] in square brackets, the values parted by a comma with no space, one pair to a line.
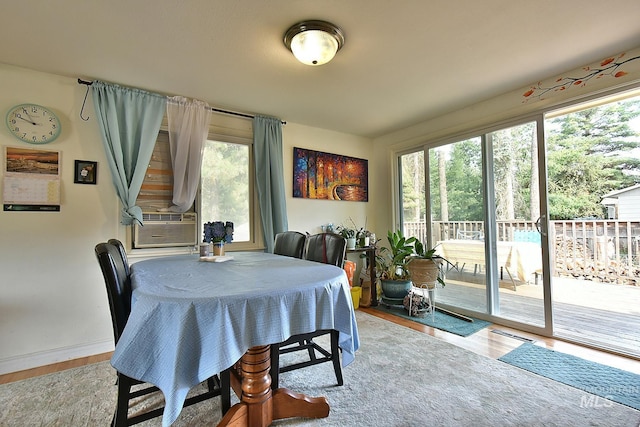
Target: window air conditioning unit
[163,229]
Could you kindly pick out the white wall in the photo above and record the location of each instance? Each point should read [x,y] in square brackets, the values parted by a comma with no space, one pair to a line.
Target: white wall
[629,205]
[307,215]
[53,305]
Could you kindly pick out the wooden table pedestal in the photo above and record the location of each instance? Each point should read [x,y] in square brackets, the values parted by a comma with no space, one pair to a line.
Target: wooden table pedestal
[259,406]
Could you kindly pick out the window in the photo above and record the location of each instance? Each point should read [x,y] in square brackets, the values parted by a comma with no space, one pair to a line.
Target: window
[226,187]
[227,184]
[227,191]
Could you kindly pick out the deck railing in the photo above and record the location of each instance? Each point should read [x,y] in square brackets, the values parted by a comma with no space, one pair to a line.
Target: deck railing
[596,250]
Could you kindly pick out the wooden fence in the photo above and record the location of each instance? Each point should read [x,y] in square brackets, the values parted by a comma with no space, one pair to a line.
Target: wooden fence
[596,250]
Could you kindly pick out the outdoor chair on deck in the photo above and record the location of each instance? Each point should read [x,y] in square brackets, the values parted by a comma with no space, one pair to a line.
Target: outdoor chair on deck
[470,235]
[327,248]
[115,269]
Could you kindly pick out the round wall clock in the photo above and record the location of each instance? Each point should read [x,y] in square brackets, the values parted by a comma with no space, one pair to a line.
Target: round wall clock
[33,123]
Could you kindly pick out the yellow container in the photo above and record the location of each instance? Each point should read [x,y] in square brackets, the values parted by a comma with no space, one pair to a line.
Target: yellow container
[356,293]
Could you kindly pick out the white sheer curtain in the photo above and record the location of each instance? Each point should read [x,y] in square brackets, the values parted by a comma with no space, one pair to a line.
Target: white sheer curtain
[188,130]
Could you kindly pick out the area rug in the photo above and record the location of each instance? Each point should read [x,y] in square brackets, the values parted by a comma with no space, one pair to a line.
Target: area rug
[442,321]
[399,378]
[600,380]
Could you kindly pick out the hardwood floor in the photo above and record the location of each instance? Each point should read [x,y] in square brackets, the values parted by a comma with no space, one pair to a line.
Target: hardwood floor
[602,313]
[494,345]
[484,342]
[47,369]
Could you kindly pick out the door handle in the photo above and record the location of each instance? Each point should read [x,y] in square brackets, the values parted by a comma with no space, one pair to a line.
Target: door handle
[540,226]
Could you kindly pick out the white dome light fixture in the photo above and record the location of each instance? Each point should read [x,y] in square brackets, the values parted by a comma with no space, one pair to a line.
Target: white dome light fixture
[314,42]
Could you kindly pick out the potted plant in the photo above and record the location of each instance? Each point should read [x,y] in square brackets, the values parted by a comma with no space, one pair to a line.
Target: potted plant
[391,266]
[349,234]
[362,237]
[425,266]
[218,233]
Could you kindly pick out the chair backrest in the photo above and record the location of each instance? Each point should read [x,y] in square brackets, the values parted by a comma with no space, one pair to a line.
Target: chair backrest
[470,235]
[123,253]
[328,248]
[118,284]
[290,243]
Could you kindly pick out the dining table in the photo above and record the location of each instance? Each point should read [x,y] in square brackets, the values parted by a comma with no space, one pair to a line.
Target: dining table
[193,317]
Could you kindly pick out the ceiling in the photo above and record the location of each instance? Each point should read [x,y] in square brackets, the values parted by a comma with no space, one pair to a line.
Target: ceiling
[403,61]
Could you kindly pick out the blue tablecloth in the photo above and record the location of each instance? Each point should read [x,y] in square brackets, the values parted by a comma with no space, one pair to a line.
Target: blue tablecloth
[192,319]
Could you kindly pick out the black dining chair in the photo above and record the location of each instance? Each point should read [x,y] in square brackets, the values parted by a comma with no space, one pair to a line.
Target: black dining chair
[123,254]
[290,243]
[112,263]
[327,248]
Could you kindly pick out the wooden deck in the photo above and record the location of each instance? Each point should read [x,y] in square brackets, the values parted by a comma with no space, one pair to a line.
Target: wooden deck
[600,314]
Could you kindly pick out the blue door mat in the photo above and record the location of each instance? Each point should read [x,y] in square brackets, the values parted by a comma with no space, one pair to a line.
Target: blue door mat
[605,381]
[442,321]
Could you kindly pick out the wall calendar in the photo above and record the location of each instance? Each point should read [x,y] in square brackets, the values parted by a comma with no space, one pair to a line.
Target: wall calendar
[31,180]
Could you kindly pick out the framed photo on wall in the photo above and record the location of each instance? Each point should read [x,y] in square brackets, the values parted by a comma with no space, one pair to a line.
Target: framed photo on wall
[319,175]
[85,172]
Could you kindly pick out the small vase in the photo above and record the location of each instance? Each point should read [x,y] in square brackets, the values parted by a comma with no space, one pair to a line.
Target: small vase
[218,248]
[351,243]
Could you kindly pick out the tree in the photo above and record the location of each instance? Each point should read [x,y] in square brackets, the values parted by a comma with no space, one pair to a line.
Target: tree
[464,181]
[413,193]
[512,172]
[225,177]
[442,176]
[589,155]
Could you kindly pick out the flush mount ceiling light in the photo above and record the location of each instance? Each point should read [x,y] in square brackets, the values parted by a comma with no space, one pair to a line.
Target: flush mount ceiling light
[314,42]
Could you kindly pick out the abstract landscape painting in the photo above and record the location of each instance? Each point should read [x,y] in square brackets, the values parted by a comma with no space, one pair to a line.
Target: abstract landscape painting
[319,175]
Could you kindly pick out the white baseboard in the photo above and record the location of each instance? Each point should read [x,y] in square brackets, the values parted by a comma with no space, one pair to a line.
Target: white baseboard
[34,360]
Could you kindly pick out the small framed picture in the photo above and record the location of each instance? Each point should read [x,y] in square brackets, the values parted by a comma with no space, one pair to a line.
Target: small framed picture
[85,172]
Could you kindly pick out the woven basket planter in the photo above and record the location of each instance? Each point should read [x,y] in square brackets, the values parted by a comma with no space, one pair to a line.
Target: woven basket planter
[424,272]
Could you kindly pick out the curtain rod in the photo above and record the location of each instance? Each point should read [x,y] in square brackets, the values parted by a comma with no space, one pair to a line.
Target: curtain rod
[217,110]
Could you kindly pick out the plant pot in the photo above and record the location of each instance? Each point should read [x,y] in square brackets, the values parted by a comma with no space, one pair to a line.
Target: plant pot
[351,243]
[218,248]
[424,272]
[394,291]
[363,242]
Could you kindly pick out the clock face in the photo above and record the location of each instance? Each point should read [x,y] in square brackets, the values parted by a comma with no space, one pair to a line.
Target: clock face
[33,124]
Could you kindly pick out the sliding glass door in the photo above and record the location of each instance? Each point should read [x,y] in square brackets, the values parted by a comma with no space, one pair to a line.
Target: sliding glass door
[543,233]
[494,251]
[593,154]
[513,193]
